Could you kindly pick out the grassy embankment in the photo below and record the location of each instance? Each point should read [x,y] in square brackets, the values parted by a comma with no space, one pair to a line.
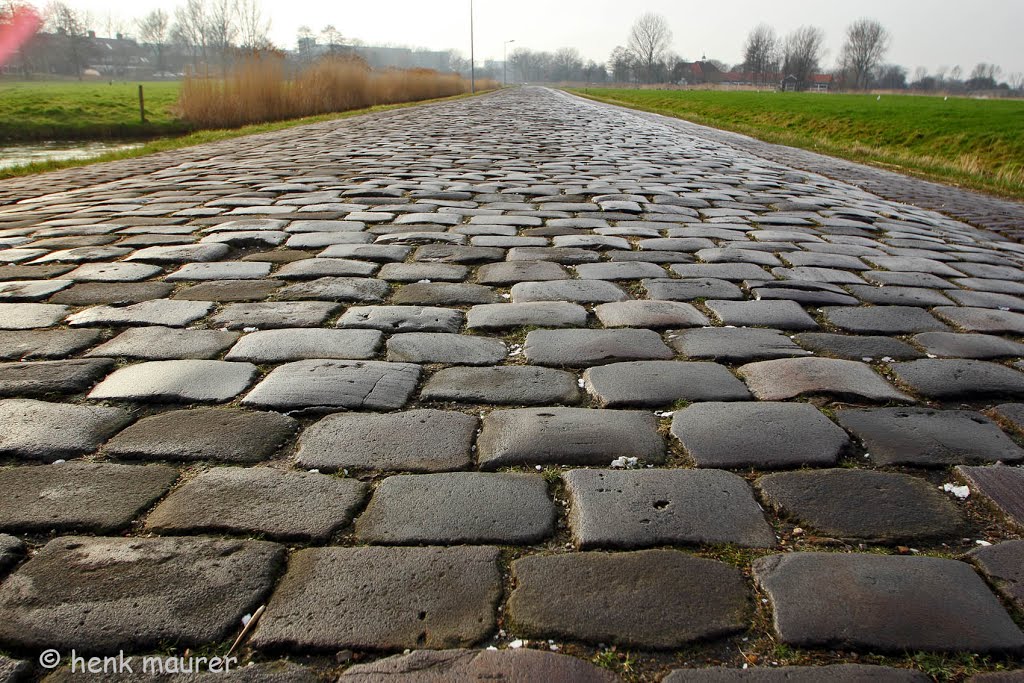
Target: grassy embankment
[258,97]
[978,144]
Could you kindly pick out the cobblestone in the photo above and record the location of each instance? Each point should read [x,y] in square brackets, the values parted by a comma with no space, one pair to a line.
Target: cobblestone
[494,222]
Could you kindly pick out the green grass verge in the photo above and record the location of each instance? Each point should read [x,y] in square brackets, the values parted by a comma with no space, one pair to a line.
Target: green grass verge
[978,144]
[60,110]
[204,136]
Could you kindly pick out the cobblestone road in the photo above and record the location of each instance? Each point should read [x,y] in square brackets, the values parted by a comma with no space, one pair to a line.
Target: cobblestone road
[519,384]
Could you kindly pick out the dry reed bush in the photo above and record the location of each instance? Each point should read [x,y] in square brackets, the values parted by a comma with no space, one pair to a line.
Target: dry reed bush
[259,89]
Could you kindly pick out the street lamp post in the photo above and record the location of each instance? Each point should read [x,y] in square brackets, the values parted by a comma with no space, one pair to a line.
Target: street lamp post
[504,61]
[472,55]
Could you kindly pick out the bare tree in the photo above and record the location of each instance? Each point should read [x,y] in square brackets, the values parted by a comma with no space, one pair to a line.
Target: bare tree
[1016,80]
[866,44]
[192,28]
[623,64]
[73,27]
[761,53]
[568,64]
[802,53]
[648,41]
[153,31]
[253,28]
[113,25]
[332,37]
[222,29]
[17,12]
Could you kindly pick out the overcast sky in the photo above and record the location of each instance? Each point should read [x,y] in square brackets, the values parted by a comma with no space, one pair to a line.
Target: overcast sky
[930,33]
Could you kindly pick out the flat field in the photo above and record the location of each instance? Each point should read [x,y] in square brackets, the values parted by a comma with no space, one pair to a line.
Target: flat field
[968,142]
[61,110]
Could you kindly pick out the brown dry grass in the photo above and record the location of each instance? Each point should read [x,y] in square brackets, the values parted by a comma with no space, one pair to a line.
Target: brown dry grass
[260,89]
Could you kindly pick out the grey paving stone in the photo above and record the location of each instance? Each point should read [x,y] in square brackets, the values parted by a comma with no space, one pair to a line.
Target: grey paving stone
[520,666]
[914,264]
[444,294]
[100,595]
[309,269]
[37,430]
[413,441]
[567,436]
[645,508]
[439,347]
[13,670]
[244,239]
[575,291]
[276,346]
[511,272]
[11,551]
[75,496]
[326,384]
[511,385]
[536,313]
[366,252]
[906,279]
[1003,565]
[356,289]
[721,271]
[402,318]
[882,319]
[1002,486]
[162,312]
[43,379]
[274,314]
[834,673]
[962,297]
[942,379]
[278,505]
[734,345]
[650,314]
[217,434]
[783,315]
[181,253]
[983,319]
[691,289]
[91,293]
[899,296]
[761,434]
[114,272]
[229,290]
[927,437]
[30,290]
[857,347]
[882,507]
[414,272]
[883,603]
[576,348]
[35,344]
[620,598]
[220,270]
[458,508]
[620,270]
[777,380]
[1011,415]
[166,343]
[982,346]
[802,292]
[420,597]
[177,381]
[30,316]
[662,383]
[448,253]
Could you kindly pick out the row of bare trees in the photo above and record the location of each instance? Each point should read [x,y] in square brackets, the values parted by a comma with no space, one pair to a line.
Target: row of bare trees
[209,32]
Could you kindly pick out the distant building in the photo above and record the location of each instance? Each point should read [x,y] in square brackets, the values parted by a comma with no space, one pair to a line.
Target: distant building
[378,57]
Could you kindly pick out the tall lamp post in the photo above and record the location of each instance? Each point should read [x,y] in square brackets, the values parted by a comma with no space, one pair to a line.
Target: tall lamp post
[504,61]
[472,57]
